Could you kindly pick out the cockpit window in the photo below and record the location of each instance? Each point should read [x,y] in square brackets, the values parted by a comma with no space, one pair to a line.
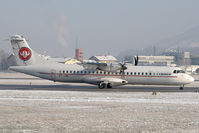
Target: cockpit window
[178,71]
[181,71]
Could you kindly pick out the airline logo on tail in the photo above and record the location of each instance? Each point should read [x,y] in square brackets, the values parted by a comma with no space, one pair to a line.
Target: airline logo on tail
[24,54]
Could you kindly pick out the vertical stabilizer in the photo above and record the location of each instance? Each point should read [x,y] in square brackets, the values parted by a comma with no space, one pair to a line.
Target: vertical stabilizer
[23,53]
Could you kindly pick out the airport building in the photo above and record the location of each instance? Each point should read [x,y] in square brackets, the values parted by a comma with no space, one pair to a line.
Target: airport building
[156,60]
[72,61]
[181,58]
[65,60]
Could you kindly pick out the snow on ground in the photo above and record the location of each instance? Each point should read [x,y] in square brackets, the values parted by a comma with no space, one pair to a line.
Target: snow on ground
[59,111]
[161,98]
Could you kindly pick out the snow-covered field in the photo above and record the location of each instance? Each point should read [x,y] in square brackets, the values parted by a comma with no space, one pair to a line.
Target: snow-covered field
[60,111]
[51,111]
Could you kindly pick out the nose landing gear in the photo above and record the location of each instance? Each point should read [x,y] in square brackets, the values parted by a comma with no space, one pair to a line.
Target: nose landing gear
[181,87]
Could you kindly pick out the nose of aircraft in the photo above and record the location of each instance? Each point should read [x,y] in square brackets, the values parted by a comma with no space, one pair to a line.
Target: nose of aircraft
[190,79]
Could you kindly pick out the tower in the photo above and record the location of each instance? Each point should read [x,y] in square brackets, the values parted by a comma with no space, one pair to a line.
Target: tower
[79,54]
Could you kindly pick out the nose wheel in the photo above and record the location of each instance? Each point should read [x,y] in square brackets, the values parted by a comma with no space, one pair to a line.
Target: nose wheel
[181,87]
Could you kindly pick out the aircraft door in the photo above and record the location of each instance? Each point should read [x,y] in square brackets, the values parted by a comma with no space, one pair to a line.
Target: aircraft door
[53,74]
[149,77]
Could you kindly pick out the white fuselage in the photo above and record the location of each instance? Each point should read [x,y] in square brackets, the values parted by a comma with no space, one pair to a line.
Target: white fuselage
[147,75]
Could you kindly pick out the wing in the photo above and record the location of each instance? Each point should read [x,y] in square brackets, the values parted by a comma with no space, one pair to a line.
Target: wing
[95,65]
[108,67]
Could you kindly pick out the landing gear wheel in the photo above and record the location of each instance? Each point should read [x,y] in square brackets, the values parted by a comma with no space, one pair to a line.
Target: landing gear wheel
[181,88]
[109,85]
[102,85]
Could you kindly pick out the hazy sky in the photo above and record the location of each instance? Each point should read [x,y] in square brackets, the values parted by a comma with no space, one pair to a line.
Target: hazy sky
[100,26]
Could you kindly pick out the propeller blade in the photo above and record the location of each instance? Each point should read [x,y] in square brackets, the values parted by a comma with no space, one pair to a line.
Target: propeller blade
[136,58]
[123,67]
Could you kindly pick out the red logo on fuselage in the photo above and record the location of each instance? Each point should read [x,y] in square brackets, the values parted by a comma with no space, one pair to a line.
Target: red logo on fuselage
[24,54]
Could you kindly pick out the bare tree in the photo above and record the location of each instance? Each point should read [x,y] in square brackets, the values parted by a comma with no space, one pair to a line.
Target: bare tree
[6,60]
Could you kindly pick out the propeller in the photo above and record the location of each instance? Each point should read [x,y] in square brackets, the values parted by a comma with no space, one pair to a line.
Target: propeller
[123,64]
[136,58]
[123,67]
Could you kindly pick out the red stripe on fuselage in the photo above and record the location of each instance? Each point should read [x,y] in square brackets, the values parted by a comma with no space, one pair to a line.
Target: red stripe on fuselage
[110,75]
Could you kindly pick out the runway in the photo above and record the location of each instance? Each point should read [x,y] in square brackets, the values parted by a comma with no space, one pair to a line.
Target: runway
[89,88]
[29,104]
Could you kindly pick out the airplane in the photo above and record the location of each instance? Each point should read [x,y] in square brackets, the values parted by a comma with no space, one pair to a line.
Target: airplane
[103,75]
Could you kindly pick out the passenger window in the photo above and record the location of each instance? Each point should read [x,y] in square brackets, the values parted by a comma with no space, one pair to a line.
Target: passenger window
[174,71]
[74,72]
[149,73]
[142,73]
[145,73]
[85,72]
[131,73]
[70,71]
[138,73]
[127,73]
[77,72]
[63,71]
[66,71]
[134,73]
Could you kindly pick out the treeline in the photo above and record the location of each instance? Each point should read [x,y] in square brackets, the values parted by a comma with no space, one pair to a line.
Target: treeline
[6,60]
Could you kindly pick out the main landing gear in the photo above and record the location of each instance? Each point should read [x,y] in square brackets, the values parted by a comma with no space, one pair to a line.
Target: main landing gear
[103,85]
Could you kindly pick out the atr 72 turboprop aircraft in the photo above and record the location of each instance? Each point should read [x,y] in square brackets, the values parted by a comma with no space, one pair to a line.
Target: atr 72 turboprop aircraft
[101,74]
